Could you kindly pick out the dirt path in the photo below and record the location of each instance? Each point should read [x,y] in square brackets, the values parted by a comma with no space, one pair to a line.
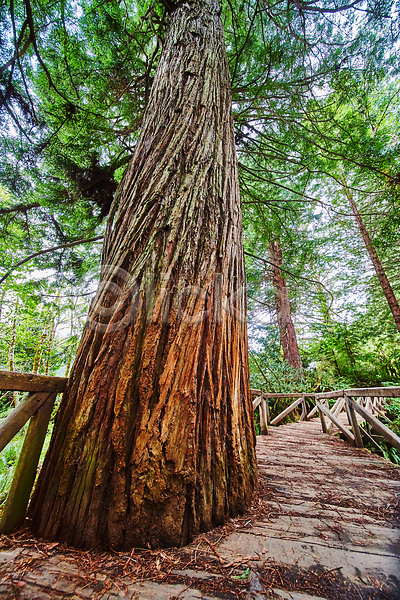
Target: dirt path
[326,524]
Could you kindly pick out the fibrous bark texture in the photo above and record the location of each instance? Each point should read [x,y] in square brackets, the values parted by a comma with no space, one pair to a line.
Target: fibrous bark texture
[289,344]
[154,440]
[379,270]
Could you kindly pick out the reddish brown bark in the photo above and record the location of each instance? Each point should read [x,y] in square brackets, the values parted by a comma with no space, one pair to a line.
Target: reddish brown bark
[380,272]
[154,441]
[289,344]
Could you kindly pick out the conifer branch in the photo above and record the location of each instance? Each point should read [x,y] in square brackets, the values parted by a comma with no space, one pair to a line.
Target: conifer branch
[46,251]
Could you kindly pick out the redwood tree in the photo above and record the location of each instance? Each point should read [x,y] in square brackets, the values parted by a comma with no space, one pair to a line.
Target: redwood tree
[287,332]
[379,270]
[154,440]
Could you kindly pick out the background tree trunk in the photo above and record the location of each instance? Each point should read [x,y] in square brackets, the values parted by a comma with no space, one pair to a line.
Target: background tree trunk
[38,352]
[290,347]
[11,350]
[380,272]
[154,441]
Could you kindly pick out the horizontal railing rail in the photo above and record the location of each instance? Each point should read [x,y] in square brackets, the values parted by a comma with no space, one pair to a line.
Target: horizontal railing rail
[31,382]
[36,407]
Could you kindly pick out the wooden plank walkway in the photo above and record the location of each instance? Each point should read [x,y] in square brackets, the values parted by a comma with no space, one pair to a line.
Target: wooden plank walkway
[326,524]
[335,508]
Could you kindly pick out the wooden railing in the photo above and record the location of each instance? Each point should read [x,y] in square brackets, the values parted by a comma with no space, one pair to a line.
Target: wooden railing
[42,390]
[261,399]
[365,402]
[37,407]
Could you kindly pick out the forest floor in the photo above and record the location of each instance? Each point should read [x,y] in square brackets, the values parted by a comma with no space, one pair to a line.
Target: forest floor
[325,524]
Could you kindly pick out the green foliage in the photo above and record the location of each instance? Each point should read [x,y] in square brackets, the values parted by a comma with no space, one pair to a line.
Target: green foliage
[9,455]
[9,458]
[268,370]
[392,420]
[390,453]
[244,575]
[392,408]
[44,324]
[364,353]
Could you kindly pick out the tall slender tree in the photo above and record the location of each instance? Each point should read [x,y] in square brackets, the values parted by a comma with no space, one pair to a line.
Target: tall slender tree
[379,270]
[154,441]
[287,331]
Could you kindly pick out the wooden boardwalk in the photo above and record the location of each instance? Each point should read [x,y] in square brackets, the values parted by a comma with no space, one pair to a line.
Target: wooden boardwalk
[326,524]
[336,508]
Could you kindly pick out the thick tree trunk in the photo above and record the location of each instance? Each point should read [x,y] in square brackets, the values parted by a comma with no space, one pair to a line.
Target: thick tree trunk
[380,272]
[289,344]
[154,441]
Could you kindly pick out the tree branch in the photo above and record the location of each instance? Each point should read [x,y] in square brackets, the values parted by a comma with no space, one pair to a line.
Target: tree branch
[54,248]
[17,55]
[268,262]
[319,9]
[19,208]
[29,16]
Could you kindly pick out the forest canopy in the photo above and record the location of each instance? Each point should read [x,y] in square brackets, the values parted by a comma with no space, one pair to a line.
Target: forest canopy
[315,98]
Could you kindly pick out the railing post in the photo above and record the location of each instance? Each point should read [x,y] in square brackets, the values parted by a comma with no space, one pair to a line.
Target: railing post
[25,472]
[322,419]
[305,409]
[354,424]
[263,417]
[303,415]
[267,409]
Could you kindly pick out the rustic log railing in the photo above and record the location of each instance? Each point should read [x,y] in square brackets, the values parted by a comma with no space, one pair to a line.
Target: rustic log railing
[37,407]
[42,390]
[365,402]
[261,400]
